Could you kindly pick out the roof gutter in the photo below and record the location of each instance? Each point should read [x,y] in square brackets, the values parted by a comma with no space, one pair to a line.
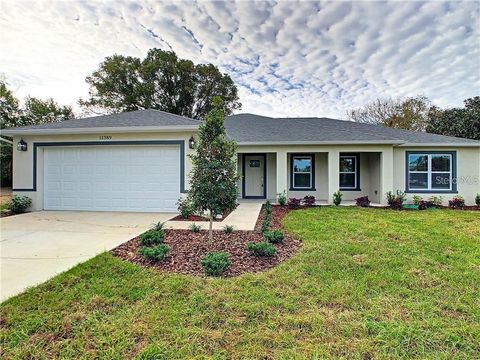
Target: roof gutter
[97,130]
[329,142]
[466,144]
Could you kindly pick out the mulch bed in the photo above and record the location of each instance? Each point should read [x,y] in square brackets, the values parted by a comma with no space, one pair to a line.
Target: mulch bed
[188,248]
[200,218]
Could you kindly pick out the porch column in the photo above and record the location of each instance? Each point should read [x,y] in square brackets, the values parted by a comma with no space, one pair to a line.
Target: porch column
[333,173]
[386,174]
[282,172]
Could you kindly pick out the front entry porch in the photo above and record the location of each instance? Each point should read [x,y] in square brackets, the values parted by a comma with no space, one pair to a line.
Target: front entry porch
[317,172]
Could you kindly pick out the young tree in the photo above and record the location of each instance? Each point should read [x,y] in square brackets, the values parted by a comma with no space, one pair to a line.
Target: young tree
[213,176]
[410,113]
[461,122]
[161,81]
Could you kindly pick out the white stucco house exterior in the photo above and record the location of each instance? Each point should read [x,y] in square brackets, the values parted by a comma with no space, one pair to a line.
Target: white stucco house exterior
[138,161]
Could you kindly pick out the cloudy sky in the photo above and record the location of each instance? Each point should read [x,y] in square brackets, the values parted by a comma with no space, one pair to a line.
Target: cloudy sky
[287,58]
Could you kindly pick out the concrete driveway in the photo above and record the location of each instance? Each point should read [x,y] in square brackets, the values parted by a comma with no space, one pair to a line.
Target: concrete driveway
[36,246]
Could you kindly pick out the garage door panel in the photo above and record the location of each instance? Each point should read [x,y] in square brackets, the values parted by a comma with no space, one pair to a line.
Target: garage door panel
[117,178]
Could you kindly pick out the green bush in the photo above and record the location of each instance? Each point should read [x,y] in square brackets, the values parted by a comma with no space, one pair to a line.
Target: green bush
[274,236]
[215,263]
[152,237]
[337,197]
[417,199]
[157,253]
[228,229]
[268,207]
[267,216]
[477,200]
[282,198]
[195,228]
[157,226]
[185,207]
[19,204]
[436,200]
[261,249]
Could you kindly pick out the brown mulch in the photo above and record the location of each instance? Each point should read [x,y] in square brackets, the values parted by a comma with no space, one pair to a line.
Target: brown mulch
[188,248]
[200,218]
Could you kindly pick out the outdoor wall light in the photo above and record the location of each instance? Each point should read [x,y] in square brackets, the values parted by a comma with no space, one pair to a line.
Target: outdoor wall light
[22,145]
[191,143]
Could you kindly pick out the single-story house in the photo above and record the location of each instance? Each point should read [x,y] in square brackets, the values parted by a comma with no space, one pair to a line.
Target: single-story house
[138,161]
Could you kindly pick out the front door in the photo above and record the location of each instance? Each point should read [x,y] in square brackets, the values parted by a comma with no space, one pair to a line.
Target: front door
[254,176]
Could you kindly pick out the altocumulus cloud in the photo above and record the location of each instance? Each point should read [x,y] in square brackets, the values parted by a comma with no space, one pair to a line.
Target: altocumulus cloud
[288,58]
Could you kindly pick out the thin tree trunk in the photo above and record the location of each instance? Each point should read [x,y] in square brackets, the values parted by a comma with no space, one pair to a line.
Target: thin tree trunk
[210,230]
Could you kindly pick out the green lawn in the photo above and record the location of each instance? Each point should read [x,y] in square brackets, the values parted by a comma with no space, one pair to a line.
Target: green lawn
[366,284]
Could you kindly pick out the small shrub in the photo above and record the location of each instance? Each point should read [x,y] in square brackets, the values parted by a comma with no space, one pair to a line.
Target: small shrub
[337,197]
[362,201]
[477,200]
[215,263]
[282,198]
[309,200]
[294,203]
[417,199]
[436,200]
[152,237]
[274,236]
[265,224]
[457,202]
[425,204]
[185,207]
[261,249]
[267,216]
[195,228]
[396,200]
[228,229]
[20,204]
[268,207]
[158,226]
[157,253]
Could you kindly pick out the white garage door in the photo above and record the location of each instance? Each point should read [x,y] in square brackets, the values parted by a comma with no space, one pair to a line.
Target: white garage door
[112,178]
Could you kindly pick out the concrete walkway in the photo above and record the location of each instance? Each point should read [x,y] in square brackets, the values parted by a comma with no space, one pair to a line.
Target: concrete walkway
[244,217]
[36,246]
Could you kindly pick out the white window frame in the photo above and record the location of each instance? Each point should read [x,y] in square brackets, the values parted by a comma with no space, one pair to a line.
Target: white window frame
[430,173]
[354,172]
[302,172]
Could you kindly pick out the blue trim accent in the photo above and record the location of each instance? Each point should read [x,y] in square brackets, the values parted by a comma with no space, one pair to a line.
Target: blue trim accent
[264,155]
[181,143]
[311,188]
[436,191]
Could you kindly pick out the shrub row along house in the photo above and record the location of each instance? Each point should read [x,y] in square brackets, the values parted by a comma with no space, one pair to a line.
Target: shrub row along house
[138,161]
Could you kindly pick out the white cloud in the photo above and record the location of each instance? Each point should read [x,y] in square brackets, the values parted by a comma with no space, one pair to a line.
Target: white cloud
[288,58]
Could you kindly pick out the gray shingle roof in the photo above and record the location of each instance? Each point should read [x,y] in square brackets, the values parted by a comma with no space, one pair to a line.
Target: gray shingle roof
[250,128]
[145,118]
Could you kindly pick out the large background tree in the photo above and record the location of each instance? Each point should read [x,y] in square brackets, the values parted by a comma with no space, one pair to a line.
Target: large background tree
[461,122]
[214,177]
[34,111]
[161,81]
[409,113]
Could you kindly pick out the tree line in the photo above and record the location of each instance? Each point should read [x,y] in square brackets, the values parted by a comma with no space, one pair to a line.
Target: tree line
[418,114]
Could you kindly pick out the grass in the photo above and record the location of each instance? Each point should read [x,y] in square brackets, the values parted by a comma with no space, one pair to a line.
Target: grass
[367,283]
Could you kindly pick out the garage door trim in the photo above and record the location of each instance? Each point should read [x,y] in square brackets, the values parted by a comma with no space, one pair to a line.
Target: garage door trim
[181,144]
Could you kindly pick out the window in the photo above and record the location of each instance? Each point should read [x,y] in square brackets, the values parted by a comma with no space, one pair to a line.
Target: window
[254,163]
[302,172]
[433,172]
[349,172]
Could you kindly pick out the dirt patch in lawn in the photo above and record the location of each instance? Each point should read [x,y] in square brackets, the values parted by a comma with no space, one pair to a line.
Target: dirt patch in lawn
[188,248]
